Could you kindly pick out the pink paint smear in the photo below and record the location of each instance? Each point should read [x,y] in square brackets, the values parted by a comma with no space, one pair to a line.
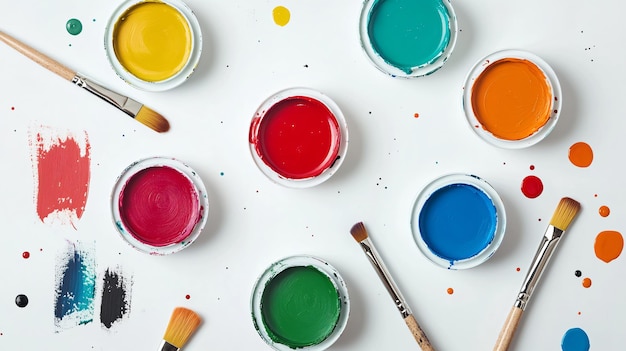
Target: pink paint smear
[61,166]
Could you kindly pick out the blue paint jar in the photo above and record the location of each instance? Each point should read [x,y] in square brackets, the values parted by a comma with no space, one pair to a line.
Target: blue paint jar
[458,221]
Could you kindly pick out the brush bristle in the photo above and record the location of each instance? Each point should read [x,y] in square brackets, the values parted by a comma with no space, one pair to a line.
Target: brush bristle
[358,231]
[565,213]
[182,324]
[152,119]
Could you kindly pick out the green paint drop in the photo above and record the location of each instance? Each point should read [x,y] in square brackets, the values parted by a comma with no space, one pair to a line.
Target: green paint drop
[300,307]
[409,34]
[74,26]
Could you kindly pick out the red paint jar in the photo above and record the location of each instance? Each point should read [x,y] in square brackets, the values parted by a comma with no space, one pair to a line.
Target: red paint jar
[159,205]
[298,137]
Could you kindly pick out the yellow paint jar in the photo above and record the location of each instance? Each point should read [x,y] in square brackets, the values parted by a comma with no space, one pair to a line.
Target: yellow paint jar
[152,44]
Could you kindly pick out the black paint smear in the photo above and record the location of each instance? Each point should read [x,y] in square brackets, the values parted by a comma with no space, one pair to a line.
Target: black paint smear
[115,298]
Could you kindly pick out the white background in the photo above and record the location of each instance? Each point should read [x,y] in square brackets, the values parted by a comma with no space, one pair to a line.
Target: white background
[391,156]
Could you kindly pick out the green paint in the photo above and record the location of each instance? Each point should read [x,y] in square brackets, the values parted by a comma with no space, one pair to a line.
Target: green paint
[300,306]
[74,26]
[409,33]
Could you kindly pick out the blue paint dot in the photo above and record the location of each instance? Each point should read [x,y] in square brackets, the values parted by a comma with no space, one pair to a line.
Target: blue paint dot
[221,173]
[575,339]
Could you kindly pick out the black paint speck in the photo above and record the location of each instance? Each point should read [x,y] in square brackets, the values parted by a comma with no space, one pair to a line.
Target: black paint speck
[21,300]
[306,66]
[578,273]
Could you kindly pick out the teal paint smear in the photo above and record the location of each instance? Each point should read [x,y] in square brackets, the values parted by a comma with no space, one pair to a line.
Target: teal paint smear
[409,34]
[575,339]
[76,287]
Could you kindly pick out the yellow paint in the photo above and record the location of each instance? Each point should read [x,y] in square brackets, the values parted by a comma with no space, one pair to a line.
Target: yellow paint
[152,40]
[281,15]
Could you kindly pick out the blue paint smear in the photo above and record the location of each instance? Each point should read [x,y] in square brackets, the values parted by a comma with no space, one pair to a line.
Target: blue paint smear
[575,339]
[409,33]
[76,286]
[458,221]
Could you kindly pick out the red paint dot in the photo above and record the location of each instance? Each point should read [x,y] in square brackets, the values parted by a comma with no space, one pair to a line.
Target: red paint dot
[532,187]
[187,297]
[26,254]
[518,269]
[579,313]
[416,115]
[532,167]
[450,291]
[12,108]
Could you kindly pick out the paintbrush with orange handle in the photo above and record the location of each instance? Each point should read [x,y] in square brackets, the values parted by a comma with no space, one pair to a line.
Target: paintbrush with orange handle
[561,219]
[359,233]
[129,106]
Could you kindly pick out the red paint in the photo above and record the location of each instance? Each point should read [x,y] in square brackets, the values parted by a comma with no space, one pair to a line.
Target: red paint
[532,187]
[159,206]
[532,167]
[416,115]
[187,297]
[26,254]
[518,269]
[62,173]
[298,137]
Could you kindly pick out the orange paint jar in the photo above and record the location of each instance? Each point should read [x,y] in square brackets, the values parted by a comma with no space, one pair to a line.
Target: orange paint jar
[512,99]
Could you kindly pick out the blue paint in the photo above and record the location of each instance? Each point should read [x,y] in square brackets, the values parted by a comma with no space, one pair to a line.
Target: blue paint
[458,221]
[76,286]
[575,339]
[409,34]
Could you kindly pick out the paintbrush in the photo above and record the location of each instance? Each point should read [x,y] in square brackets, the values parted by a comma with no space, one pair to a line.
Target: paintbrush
[359,233]
[182,324]
[131,107]
[561,219]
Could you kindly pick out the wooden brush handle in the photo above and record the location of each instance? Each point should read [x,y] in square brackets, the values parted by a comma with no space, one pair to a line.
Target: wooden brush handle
[508,330]
[38,57]
[418,333]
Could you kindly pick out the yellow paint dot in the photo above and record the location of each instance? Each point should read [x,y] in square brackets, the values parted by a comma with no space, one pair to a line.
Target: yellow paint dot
[281,15]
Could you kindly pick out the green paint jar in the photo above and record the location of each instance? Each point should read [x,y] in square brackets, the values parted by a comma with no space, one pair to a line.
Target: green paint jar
[408,38]
[300,302]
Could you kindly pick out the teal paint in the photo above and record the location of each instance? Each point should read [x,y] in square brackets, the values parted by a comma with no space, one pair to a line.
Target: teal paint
[409,34]
[458,221]
[74,26]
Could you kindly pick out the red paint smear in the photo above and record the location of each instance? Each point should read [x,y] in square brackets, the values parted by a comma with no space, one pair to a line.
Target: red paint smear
[532,187]
[297,137]
[26,254]
[63,178]
[159,206]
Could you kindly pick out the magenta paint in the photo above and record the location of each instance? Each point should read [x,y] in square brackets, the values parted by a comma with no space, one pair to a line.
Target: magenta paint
[159,205]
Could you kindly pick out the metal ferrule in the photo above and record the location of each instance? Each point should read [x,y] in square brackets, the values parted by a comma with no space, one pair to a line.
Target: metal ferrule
[124,103]
[544,252]
[384,275]
[166,346]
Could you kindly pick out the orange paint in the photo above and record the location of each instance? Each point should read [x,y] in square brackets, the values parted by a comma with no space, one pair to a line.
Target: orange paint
[587,282]
[416,115]
[580,154]
[450,291]
[604,211]
[608,245]
[512,98]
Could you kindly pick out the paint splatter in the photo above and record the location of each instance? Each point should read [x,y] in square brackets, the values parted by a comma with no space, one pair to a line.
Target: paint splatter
[587,282]
[518,269]
[580,154]
[578,273]
[450,291]
[187,297]
[416,115]
[532,167]
[532,186]
[21,300]
[604,211]
[608,245]
[75,287]
[575,339]
[115,297]
[61,165]
[25,254]
[281,15]
[74,26]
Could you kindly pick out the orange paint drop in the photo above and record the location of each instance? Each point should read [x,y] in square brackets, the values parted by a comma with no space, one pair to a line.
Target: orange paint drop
[450,291]
[580,154]
[512,99]
[587,282]
[608,245]
[604,211]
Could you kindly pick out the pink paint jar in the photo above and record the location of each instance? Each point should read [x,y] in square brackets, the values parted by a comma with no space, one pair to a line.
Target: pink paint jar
[159,205]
